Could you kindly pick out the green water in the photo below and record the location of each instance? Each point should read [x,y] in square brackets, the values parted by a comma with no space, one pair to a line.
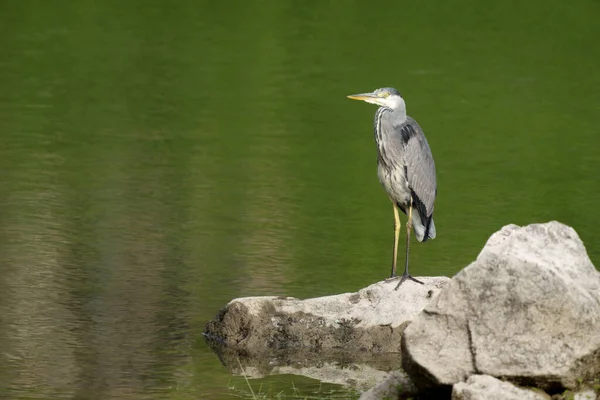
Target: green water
[161,158]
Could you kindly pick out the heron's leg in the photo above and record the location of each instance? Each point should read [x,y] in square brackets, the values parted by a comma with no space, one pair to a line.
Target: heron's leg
[406,275]
[396,237]
[408,229]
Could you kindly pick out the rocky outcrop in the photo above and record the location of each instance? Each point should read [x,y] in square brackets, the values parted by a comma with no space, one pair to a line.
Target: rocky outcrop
[527,310]
[522,321]
[370,320]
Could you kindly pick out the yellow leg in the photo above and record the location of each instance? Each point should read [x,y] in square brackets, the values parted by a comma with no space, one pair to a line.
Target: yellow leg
[406,275]
[396,237]
[408,229]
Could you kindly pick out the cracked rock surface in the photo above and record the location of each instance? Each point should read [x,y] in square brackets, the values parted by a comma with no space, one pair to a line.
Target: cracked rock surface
[527,310]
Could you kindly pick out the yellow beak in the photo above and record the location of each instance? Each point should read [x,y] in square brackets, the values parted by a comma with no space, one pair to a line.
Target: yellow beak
[362,96]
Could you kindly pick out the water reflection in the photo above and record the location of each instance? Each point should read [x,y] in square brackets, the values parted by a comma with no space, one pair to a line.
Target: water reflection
[357,371]
[89,307]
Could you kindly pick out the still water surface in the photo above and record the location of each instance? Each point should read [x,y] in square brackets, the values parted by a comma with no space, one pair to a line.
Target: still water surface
[159,159]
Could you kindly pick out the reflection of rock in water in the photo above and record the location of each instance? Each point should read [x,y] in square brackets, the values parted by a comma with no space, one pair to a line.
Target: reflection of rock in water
[359,370]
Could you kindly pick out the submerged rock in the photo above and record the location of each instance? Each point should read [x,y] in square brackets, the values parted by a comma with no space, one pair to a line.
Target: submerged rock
[371,319]
[485,387]
[394,385]
[527,310]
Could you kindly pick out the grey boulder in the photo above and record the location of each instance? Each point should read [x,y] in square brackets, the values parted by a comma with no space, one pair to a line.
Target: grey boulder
[371,319]
[527,310]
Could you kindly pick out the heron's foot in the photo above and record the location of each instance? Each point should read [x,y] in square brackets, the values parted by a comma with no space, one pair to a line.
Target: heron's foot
[392,277]
[405,276]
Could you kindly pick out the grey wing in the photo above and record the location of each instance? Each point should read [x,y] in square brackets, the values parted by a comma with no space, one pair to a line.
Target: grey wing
[420,168]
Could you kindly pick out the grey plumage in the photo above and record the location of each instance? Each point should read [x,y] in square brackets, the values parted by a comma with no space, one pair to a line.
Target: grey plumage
[405,166]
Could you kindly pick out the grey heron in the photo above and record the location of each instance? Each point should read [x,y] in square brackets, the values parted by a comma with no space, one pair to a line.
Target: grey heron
[405,168]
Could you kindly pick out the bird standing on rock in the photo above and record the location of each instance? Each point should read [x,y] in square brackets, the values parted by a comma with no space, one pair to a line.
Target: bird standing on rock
[405,168]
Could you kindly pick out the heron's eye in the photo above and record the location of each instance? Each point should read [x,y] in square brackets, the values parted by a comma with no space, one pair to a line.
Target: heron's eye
[384,95]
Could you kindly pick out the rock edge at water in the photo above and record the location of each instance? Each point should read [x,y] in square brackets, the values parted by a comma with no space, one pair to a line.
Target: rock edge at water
[525,313]
[371,319]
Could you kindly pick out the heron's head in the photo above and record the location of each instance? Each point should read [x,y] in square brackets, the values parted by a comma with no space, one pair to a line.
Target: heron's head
[384,97]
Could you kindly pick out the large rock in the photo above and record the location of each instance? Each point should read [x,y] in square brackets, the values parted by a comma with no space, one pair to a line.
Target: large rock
[371,319]
[485,387]
[527,310]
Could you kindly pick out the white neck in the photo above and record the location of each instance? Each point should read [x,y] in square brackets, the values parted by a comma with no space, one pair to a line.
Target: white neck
[395,103]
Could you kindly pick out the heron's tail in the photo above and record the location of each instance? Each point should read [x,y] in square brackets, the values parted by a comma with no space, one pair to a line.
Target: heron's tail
[424,230]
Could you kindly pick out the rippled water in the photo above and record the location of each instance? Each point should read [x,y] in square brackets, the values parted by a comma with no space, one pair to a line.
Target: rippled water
[158,160]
